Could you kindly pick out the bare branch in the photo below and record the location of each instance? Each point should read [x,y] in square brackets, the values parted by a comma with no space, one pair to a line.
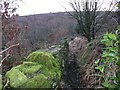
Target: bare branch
[9,48]
[4,59]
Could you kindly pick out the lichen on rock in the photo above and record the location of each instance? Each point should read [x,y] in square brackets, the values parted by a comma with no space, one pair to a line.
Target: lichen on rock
[40,70]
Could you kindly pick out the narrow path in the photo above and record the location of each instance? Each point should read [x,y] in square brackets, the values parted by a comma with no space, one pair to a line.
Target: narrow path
[73,77]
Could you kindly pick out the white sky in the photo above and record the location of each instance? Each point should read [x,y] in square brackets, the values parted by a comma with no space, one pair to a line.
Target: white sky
[46,6]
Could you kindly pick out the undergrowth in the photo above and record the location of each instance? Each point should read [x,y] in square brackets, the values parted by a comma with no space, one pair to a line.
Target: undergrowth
[108,65]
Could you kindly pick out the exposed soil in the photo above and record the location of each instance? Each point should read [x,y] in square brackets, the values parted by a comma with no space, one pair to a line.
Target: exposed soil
[78,75]
[73,78]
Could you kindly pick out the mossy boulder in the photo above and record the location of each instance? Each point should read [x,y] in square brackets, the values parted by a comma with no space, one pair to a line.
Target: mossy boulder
[43,58]
[40,70]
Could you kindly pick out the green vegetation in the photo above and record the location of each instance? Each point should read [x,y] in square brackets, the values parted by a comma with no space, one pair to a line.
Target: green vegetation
[41,70]
[109,62]
[83,60]
[64,56]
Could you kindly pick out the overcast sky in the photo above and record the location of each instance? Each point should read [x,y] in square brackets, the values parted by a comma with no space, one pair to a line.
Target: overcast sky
[46,6]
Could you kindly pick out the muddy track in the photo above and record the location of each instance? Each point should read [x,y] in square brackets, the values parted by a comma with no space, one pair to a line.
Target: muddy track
[73,77]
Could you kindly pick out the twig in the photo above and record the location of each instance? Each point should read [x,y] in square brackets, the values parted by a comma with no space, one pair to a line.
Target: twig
[4,59]
[6,85]
[7,54]
[9,48]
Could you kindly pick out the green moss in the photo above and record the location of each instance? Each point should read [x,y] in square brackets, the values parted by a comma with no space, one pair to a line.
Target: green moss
[39,81]
[43,58]
[16,78]
[40,70]
[29,67]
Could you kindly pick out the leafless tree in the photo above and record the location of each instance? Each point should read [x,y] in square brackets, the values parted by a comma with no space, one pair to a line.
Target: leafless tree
[86,13]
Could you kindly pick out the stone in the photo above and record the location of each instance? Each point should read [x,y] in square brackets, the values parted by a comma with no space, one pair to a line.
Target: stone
[40,70]
[77,44]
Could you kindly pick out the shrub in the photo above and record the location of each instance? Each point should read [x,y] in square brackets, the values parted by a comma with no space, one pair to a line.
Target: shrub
[107,65]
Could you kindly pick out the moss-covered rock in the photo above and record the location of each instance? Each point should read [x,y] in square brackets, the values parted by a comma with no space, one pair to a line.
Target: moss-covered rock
[16,77]
[43,58]
[40,70]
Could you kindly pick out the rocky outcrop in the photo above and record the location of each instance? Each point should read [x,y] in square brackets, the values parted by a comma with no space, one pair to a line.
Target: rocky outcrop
[41,70]
[77,44]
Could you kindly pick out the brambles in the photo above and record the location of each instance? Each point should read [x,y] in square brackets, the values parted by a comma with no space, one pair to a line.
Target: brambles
[107,65]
